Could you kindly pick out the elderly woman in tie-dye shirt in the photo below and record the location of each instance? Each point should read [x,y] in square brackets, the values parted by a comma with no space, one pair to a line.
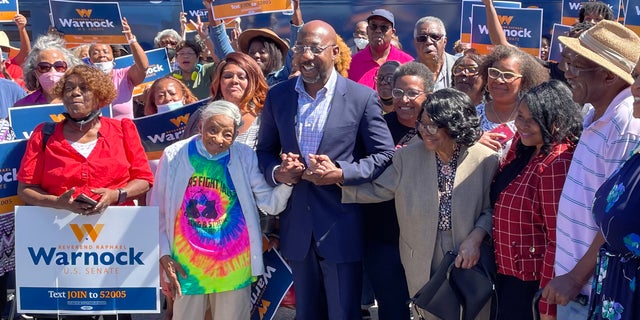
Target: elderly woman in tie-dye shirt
[208,189]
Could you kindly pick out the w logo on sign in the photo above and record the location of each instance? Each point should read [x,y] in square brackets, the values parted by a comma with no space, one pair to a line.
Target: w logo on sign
[80,231]
[85,13]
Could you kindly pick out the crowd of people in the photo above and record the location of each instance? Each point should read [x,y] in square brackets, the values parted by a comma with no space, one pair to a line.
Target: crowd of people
[365,166]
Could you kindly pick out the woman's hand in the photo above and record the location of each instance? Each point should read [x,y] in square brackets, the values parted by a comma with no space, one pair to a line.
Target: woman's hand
[491,140]
[107,198]
[66,201]
[171,268]
[469,251]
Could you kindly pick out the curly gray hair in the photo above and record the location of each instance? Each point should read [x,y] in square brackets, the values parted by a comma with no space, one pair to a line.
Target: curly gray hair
[45,42]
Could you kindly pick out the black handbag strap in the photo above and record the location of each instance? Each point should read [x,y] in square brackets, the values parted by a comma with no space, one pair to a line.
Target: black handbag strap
[487,274]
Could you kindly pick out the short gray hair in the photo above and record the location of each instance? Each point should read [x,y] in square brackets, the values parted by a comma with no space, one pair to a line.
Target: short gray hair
[417,69]
[222,107]
[431,19]
[166,32]
[45,42]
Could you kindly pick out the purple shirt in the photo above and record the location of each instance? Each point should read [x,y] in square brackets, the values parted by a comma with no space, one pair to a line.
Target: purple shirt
[122,106]
[363,68]
[35,98]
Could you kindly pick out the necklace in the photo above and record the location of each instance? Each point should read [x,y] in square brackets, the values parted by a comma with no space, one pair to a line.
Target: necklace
[495,113]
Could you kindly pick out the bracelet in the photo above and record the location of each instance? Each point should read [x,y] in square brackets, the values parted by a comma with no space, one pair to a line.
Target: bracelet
[132,40]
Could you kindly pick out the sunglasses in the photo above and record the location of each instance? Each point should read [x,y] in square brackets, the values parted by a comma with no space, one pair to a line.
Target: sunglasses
[44,67]
[506,76]
[168,42]
[384,79]
[384,28]
[464,70]
[433,36]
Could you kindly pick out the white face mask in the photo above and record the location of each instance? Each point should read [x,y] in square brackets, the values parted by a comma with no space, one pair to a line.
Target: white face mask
[169,106]
[106,67]
[360,43]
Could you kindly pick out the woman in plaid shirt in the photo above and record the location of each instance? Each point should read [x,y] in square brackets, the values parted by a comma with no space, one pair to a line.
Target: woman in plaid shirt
[525,193]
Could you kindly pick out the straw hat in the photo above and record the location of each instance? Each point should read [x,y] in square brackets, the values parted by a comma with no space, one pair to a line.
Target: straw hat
[609,44]
[244,39]
[4,41]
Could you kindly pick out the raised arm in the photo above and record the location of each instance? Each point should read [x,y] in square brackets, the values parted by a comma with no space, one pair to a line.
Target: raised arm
[138,71]
[493,24]
[217,33]
[25,43]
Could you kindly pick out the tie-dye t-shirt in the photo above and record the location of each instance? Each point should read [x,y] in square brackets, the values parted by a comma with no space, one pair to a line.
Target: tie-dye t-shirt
[211,240]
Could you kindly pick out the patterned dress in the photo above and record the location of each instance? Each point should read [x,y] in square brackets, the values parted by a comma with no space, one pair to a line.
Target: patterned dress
[616,211]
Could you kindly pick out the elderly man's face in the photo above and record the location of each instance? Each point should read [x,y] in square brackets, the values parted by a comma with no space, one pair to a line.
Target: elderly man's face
[361,30]
[585,77]
[430,41]
[218,133]
[380,32]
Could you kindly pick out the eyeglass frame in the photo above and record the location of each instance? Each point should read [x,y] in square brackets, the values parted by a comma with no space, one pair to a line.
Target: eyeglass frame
[383,27]
[313,48]
[501,74]
[432,36]
[62,66]
[566,66]
[388,79]
[465,70]
[404,93]
[427,128]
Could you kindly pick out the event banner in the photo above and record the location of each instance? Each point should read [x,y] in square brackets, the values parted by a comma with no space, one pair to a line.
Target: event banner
[8,9]
[632,16]
[522,27]
[158,131]
[159,67]
[194,9]
[236,8]
[555,47]
[96,264]
[88,22]
[25,119]
[267,293]
[10,156]
[571,9]
[465,17]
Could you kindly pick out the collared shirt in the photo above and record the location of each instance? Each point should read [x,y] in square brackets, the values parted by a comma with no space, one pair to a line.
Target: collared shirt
[604,145]
[444,77]
[312,114]
[524,219]
[362,63]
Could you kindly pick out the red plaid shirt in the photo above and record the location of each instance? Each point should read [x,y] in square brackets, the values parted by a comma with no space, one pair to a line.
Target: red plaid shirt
[524,219]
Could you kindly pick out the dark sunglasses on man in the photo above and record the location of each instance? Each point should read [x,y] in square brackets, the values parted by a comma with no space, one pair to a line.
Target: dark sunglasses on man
[433,36]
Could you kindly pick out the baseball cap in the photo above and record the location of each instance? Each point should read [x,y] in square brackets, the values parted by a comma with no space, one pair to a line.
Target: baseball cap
[382,13]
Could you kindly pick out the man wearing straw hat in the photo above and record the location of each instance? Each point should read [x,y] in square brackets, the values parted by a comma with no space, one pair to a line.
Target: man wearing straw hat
[598,67]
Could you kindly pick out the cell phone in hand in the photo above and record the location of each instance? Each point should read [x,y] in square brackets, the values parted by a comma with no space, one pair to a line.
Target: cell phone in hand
[83,198]
[506,130]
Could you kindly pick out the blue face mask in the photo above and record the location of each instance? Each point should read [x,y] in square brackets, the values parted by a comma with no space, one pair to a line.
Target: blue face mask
[169,106]
[5,56]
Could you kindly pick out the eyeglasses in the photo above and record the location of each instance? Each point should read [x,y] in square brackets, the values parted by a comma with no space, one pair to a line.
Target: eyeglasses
[316,50]
[464,70]
[433,36]
[168,42]
[506,76]
[411,94]
[44,67]
[186,54]
[383,27]
[566,66]
[384,79]
[430,128]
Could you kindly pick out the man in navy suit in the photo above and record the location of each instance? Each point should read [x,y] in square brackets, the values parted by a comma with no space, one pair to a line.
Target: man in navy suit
[322,113]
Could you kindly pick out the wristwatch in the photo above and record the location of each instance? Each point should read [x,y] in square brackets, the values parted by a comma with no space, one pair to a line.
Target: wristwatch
[122,195]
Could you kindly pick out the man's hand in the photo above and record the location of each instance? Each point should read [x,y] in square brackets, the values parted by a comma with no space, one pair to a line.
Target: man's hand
[322,171]
[562,289]
[290,169]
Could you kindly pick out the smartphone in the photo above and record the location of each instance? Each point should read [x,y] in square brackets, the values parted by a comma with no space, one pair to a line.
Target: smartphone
[83,198]
[506,130]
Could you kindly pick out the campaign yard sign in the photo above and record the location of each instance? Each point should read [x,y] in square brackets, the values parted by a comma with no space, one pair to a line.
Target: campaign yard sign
[10,156]
[159,67]
[270,288]
[8,9]
[522,27]
[194,9]
[236,8]
[88,22]
[571,10]
[555,47]
[95,264]
[25,119]
[632,16]
[158,131]
[465,16]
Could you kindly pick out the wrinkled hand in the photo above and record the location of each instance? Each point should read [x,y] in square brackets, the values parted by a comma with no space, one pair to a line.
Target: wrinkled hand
[290,170]
[561,289]
[491,140]
[171,268]
[20,20]
[322,171]
[468,253]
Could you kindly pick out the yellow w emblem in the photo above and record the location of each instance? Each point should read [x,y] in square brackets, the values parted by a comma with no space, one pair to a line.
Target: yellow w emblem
[86,229]
[85,13]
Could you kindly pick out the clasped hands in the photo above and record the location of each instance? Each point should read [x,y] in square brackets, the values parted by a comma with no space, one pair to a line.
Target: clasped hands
[321,170]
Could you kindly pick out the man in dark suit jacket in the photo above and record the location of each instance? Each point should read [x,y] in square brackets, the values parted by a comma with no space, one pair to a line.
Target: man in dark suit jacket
[322,113]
